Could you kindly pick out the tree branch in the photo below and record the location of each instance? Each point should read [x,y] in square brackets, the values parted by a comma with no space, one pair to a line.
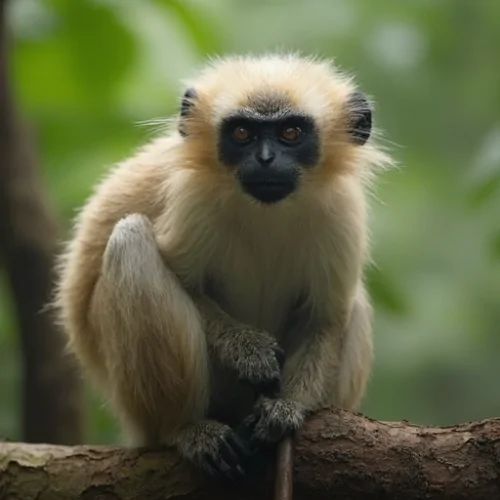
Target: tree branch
[338,455]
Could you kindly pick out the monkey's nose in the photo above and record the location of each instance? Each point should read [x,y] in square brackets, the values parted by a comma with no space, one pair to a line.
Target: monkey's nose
[265,155]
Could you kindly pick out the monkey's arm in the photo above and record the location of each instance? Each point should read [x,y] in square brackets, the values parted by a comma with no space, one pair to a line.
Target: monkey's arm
[330,368]
[253,354]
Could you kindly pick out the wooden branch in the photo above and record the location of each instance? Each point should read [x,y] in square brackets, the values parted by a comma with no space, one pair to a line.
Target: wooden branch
[338,455]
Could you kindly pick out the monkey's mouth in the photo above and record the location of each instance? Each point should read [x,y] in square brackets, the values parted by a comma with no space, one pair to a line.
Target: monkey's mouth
[268,191]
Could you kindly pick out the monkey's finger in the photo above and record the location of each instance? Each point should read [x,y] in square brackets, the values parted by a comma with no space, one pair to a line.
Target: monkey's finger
[216,466]
[237,474]
[238,445]
[265,432]
[258,439]
[246,428]
[280,356]
[206,464]
[228,453]
[268,432]
[241,473]
[275,432]
[234,474]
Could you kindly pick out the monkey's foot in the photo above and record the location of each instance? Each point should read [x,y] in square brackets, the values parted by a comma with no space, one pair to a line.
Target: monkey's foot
[270,421]
[215,448]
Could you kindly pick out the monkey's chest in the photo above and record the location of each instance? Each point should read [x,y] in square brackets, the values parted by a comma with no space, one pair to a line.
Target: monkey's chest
[259,289]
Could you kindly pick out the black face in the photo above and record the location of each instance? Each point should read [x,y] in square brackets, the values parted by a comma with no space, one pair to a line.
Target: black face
[269,144]
[268,152]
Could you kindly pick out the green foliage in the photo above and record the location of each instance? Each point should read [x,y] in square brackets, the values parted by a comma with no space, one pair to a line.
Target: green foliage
[98,50]
[203,34]
[87,71]
[385,291]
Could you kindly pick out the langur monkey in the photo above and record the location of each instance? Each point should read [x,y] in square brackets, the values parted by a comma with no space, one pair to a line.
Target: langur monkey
[213,286]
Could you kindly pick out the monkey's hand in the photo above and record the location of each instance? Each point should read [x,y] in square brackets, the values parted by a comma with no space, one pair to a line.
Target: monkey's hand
[270,421]
[255,356]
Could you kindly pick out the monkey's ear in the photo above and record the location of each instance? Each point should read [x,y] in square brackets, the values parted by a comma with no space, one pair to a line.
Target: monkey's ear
[187,104]
[360,118]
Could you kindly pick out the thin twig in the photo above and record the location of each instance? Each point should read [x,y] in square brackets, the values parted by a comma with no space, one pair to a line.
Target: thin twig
[284,470]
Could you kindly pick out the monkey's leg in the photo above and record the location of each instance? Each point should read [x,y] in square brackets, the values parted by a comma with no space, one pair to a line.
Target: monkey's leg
[155,351]
[330,368]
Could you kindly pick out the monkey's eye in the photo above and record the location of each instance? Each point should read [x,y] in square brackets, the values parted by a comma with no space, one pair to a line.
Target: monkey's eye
[290,134]
[241,134]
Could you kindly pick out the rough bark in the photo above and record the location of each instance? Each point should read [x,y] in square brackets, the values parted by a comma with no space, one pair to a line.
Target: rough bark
[28,238]
[338,455]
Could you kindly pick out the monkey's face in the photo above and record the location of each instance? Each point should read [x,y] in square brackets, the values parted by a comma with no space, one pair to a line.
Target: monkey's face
[268,153]
[276,125]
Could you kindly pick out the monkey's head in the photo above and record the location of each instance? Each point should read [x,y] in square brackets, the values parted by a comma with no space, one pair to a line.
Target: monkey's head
[277,125]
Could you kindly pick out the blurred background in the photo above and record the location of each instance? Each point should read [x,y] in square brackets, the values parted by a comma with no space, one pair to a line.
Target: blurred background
[83,75]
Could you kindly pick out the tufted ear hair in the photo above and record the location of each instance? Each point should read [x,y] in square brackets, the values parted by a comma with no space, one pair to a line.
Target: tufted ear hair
[187,104]
[360,118]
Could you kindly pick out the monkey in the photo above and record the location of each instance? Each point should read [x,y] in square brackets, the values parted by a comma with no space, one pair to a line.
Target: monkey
[213,286]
